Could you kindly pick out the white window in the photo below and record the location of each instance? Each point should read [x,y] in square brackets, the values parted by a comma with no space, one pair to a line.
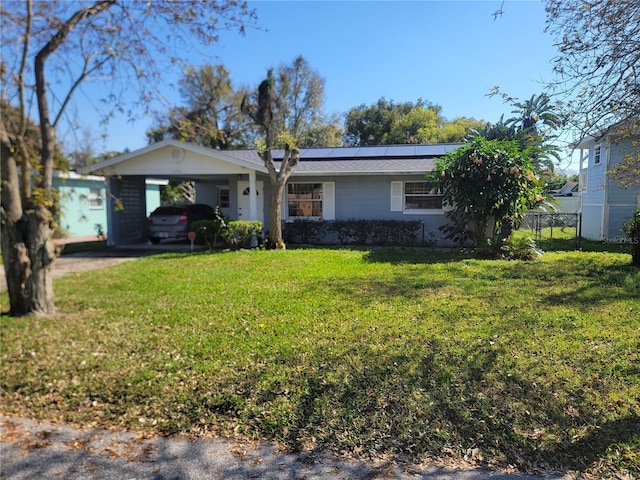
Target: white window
[414,197]
[310,200]
[597,155]
[304,200]
[223,197]
[95,198]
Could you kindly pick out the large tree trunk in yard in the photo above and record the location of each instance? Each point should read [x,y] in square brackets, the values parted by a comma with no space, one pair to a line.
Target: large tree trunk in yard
[26,240]
[278,182]
[275,214]
[28,254]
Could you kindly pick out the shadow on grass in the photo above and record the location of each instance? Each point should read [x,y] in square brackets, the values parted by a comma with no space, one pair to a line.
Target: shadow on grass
[426,402]
[600,285]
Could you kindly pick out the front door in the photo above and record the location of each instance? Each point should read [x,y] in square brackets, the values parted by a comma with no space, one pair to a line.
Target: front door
[243,201]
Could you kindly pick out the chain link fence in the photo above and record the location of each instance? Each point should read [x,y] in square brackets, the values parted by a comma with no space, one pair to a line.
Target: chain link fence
[549,226]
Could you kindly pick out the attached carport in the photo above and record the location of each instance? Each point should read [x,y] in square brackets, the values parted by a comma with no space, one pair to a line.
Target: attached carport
[241,172]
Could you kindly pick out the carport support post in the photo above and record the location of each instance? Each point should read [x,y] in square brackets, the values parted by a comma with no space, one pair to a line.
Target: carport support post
[253,196]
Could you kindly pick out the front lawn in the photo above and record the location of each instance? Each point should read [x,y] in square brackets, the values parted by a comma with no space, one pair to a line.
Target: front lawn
[384,352]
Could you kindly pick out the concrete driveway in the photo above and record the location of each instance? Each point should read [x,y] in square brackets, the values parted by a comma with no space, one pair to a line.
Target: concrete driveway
[93,260]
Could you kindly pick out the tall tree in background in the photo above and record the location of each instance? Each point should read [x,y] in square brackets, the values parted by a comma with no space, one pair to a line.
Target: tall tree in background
[211,116]
[389,123]
[598,60]
[300,92]
[534,125]
[598,64]
[64,45]
[286,107]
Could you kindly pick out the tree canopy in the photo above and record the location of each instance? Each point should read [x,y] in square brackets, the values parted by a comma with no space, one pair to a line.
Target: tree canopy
[598,60]
[211,116]
[390,123]
[534,125]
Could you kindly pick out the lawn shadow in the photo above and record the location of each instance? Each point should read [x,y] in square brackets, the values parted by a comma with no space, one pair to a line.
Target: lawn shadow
[600,285]
[406,406]
[414,255]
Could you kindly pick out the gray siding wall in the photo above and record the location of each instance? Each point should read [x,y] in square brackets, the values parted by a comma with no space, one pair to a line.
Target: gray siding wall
[618,216]
[595,188]
[368,197]
[620,201]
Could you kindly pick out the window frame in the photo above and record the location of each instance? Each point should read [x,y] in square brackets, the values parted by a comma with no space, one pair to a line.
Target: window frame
[95,198]
[227,203]
[410,211]
[321,201]
[597,155]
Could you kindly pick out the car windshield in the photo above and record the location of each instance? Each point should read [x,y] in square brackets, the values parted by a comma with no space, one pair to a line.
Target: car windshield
[168,210]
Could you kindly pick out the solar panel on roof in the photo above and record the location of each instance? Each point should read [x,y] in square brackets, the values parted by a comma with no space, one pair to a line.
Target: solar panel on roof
[375,151]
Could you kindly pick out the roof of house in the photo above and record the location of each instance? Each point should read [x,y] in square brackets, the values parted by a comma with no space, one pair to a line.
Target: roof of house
[387,159]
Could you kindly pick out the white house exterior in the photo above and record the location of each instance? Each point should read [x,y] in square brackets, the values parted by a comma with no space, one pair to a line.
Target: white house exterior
[605,205]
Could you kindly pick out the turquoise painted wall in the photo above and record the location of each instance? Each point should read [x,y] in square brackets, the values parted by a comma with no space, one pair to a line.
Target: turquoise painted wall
[83,205]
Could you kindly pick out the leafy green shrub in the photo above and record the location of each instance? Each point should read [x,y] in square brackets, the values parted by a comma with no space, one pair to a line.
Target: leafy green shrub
[351,232]
[208,231]
[241,233]
[522,248]
[632,230]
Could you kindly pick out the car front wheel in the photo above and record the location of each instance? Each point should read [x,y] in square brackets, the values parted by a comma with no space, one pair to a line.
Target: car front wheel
[154,240]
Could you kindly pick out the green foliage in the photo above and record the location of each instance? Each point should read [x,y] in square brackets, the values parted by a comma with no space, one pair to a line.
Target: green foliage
[208,231]
[379,352]
[555,181]
[212,116]
[241,233]
[486,183]
[533,126]
[632,230]
[306,232]
[389,123]
[520,248]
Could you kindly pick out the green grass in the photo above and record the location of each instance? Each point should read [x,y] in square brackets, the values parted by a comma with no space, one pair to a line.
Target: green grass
[383,352]
[564,239]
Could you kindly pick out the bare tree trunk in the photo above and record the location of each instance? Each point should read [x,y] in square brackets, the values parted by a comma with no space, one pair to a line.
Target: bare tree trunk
[279,180]
[27,248]
[275,214]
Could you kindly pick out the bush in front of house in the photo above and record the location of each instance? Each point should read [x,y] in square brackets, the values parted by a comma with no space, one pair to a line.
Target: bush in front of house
[241,233]
[632,230]
[376,232]
[208,231]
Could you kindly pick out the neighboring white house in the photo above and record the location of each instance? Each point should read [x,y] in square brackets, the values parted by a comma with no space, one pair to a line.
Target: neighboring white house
[605,205]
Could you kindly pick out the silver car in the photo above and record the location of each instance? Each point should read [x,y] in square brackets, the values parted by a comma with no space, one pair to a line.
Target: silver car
[174,221]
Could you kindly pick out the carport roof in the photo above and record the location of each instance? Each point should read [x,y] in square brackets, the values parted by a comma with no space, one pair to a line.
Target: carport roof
[391,159]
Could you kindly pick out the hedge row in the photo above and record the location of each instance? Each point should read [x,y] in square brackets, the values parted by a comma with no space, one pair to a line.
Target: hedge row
[354,232]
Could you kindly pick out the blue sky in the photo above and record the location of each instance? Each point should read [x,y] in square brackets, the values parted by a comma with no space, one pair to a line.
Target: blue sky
[446,52]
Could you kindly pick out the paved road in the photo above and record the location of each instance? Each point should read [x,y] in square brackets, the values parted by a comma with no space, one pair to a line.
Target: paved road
[43,450]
